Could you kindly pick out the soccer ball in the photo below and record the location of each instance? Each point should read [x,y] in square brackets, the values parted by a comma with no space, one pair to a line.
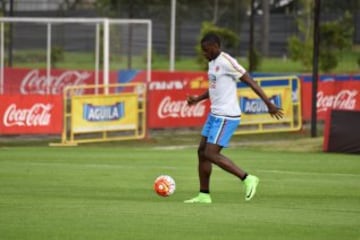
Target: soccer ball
[164,185]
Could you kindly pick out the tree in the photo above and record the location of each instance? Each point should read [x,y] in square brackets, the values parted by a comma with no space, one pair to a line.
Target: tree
[3,7]
[300,47]
[70,5]
[351,6]
[334,36]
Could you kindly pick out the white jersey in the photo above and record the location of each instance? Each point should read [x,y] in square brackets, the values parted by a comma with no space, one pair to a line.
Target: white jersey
[224,72]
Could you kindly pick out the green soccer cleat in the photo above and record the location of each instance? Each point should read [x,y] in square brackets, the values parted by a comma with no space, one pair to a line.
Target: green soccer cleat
[251,183]
[201,198]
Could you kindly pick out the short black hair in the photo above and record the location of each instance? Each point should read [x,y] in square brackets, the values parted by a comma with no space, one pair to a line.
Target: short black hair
[211,38]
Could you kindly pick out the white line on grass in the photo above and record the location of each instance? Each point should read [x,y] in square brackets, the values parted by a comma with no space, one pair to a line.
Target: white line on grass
[117,166]
[308,173]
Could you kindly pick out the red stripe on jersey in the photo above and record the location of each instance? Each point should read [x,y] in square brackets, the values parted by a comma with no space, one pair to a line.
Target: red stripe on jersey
[233,64]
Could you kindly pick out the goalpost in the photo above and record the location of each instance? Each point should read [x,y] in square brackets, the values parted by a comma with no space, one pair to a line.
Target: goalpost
[98,46]
[98,24]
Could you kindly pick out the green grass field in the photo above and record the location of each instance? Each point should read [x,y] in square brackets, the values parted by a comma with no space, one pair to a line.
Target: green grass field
[71,60]
[104,191]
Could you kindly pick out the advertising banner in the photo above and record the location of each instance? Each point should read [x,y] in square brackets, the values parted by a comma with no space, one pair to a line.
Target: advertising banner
[169,109]
[339,95]
[93,113]
[254,109]
[165,80]
[35,114]
[167,93]
[334,91]
[35,81]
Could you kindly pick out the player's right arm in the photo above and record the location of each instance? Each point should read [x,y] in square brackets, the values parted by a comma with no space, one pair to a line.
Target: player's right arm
[273,109]
[195,99]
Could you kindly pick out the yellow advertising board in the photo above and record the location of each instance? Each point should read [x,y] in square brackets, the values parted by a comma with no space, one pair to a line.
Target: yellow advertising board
[94,113]
[254,109]
[102,113]
[284,92]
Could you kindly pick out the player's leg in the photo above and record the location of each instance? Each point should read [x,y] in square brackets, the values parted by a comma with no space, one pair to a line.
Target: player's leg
[204,167]
[212,154]
[219,137]
[204,171]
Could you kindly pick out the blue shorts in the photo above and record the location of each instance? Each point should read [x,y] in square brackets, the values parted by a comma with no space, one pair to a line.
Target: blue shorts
[219,130]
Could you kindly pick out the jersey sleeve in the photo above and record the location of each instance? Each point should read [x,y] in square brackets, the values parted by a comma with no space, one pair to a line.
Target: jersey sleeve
[233,68]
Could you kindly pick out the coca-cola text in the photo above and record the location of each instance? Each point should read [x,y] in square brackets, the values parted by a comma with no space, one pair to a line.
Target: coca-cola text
[169,108]
[345,100]
[35,83]
[36,115]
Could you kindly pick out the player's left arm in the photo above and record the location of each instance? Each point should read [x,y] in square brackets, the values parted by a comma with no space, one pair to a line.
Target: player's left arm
[191,100]
[273,109]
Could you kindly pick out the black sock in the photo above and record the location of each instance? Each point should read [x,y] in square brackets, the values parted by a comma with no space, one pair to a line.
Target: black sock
[243,178]
[204,191]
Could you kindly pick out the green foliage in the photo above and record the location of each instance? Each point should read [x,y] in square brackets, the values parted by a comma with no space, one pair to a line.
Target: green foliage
[338,34]
[300,51]
[256,60]
[358,61]
[334,37]
[106,7]
[328,60]
[229,39]
[340,6]
[57,55]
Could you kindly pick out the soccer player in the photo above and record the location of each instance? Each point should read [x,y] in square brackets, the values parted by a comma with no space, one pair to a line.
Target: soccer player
[224,118]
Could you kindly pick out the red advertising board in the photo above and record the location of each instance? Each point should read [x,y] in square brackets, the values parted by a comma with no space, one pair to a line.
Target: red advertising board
[334,92]
[33,114]
[165,80]
[35,81]
[169,109]
[162,80]
[340,95]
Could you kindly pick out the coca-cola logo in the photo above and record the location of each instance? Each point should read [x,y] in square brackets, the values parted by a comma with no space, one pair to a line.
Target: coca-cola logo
[36,115]
[345,99]
[169,108]
[34,82]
